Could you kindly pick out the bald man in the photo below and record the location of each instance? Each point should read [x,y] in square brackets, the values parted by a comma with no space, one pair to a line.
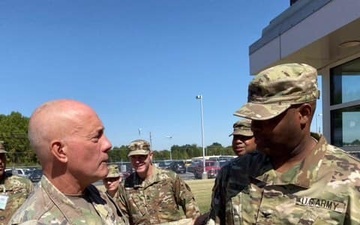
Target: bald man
[69,140]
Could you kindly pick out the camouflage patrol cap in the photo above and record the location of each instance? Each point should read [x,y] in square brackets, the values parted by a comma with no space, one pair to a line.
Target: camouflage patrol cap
[275,89]
[242,127]
[113,171]
[139,147]
[2,148]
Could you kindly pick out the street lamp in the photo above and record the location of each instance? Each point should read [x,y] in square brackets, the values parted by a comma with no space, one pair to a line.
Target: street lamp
[320,121]
[170,137]
[200,97]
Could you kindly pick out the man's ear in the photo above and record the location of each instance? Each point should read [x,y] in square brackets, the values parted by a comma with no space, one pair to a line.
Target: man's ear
[58,149]
[306,111]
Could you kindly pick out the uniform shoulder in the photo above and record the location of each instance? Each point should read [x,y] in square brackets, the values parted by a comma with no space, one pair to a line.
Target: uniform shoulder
[338,154]
[19,181]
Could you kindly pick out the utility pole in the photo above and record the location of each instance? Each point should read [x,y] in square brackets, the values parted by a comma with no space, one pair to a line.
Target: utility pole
[170,137]
[150,140]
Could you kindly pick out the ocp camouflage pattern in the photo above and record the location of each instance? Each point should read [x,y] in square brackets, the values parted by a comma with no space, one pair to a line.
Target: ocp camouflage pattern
[275,89]
[162,198]
[322,189]
[18,190]
[48,205]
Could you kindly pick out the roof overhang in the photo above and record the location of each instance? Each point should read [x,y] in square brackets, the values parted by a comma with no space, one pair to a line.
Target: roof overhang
[318,33]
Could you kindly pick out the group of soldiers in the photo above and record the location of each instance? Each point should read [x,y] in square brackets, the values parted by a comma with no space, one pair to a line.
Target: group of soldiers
[284,174]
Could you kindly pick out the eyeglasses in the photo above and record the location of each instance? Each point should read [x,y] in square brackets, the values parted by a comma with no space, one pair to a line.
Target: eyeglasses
[138,157]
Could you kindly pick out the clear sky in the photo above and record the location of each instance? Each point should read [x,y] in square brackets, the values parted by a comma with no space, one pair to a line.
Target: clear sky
[139,64]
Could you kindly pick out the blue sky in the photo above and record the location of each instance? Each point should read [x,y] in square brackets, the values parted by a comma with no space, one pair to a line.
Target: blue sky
[139,64]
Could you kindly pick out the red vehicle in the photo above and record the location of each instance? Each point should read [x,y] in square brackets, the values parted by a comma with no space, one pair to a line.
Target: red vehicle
[211,168]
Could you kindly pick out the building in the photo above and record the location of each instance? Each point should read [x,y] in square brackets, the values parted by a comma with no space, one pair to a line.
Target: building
[326,35]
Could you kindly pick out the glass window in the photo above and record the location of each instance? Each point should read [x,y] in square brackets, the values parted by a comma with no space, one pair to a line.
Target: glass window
[343,82]
[346,126]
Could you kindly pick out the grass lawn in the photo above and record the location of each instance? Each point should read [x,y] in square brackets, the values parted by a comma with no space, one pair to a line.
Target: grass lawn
[202,191]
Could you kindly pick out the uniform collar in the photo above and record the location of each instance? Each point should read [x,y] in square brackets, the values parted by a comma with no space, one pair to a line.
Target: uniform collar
[302,174]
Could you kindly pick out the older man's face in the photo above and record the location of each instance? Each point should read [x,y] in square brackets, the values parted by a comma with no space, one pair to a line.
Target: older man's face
[88,148]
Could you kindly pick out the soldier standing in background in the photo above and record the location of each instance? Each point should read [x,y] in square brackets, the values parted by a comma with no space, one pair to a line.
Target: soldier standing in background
[112,181]
[243,138]
[14,190]
[243,142]
[153,196]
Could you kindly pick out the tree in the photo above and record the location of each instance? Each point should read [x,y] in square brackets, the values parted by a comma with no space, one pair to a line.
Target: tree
[118,154]
[13,132]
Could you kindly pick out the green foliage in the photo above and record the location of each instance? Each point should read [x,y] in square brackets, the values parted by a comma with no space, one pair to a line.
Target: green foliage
[118,154]
[13,132]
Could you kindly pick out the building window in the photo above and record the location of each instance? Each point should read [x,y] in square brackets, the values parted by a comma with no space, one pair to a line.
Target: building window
[346,127]
[343,82]
[345,99]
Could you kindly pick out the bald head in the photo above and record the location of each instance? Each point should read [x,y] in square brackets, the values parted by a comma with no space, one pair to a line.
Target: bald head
[54,120]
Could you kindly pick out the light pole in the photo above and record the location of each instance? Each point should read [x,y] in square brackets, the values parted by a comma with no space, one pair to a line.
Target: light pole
[200,97]
[170,137]
[320,121]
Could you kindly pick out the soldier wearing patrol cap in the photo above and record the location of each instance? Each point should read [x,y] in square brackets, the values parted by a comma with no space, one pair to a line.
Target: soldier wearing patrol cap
[295,177]
[243,138]
[112,181]
[243,142]
[154,196]
[14,190]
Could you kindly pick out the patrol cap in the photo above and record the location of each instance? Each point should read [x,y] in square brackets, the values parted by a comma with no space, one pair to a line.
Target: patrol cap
[242,127]
[113,171]
[275,89]
[2,148]
[139,147]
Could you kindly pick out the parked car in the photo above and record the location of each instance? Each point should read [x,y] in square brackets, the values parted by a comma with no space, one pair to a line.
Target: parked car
[163,164]
[8,172]
[36,175]
[211,168]
[21,172]
[187,162]
[177,166]
[191,167]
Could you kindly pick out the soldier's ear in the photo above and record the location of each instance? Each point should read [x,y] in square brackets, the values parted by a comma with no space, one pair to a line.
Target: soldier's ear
[58,149]
[305,111]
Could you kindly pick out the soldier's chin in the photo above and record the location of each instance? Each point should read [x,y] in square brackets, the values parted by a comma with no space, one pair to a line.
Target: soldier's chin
[141,168]
[240,152]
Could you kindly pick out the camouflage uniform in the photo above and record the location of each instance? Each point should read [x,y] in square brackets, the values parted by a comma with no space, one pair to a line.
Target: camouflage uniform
[17,189]
[49,206]
[323,189]
[162,198]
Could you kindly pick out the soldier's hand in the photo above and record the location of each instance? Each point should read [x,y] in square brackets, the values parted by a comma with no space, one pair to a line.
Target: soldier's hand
[202,219]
